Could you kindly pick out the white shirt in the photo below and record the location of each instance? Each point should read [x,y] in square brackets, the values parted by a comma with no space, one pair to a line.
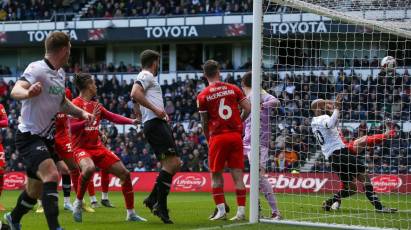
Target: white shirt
[152,91]
[327,136]
[38,113]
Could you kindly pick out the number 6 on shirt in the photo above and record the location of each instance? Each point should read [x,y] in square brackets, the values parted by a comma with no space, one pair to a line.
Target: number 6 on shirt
[224,111]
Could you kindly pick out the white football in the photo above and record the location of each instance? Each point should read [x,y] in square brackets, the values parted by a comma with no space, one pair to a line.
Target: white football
[388,63]
[335,206]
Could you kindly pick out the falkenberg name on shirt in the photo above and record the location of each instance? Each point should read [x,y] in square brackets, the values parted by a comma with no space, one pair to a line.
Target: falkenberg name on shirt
[223,93]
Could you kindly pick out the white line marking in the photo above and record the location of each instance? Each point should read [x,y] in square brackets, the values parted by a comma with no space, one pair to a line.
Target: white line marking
[406,211]
[223,226]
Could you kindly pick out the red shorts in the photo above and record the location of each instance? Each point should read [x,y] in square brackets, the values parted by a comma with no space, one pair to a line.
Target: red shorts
[64,149]
[226,148]
[2,156]
[350,147]
[101,156]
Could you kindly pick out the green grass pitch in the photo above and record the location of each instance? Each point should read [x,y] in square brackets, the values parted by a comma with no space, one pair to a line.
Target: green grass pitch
[190,211]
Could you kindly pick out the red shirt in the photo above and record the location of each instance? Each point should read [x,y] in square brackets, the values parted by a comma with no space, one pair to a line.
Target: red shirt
[62,136]
[89,136]
[221,102]
[4,122]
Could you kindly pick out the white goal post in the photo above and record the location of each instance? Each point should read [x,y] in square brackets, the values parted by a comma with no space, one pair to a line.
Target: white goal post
[308,49]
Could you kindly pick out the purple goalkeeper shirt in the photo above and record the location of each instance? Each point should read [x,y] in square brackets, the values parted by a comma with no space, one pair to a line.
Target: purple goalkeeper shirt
[267,101]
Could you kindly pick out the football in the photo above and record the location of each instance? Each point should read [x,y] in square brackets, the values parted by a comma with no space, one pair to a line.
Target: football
[388,63]
[335,206]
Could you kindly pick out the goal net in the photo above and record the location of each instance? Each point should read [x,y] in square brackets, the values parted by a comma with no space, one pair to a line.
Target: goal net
[316,49]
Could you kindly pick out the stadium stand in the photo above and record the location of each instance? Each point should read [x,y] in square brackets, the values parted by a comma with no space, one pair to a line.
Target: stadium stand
[37,10]
[132,8]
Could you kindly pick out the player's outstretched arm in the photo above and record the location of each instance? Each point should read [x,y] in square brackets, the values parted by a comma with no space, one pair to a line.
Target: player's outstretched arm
[137,93]
[24,90]
[4,123]
[246,106]
[333,121]
[116,118]
[76,125]
[71,109]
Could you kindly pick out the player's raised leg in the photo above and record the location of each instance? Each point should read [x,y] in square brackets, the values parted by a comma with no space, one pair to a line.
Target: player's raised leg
[361,143]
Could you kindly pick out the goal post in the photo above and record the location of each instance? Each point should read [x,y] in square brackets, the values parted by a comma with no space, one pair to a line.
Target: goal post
[255,109]
[303,50]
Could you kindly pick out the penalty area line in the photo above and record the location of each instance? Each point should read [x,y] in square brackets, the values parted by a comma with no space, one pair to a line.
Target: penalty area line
[223,226]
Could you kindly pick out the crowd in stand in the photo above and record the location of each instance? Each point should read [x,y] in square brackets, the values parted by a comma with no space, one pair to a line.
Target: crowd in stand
[133,8]
[44,9]
[292,142]
[37,9]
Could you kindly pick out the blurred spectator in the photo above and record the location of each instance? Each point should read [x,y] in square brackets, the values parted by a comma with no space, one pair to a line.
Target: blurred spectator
[140,167]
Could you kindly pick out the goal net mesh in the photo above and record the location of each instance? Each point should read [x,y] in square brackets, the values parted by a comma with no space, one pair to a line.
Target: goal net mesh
[316,49]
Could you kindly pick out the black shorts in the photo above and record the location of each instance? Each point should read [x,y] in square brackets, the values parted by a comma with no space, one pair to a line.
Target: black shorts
[346,165]
[34,150]
[160,137]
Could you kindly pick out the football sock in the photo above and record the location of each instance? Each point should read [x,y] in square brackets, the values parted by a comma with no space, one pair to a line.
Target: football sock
[66,185]
[23,206]
[241,196]
[105,180]
[82,186]
[49,200]
[369,192]
[218,195]
[127,189]
[164,181]
[90,188]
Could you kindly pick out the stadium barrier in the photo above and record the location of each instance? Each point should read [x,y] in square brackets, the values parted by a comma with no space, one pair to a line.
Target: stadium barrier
[201,182]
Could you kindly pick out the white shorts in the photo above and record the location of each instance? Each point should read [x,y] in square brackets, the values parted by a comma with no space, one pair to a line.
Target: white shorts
[263,155]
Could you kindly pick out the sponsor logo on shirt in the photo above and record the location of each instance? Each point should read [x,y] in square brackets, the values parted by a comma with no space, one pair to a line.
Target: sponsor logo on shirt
[56,90]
